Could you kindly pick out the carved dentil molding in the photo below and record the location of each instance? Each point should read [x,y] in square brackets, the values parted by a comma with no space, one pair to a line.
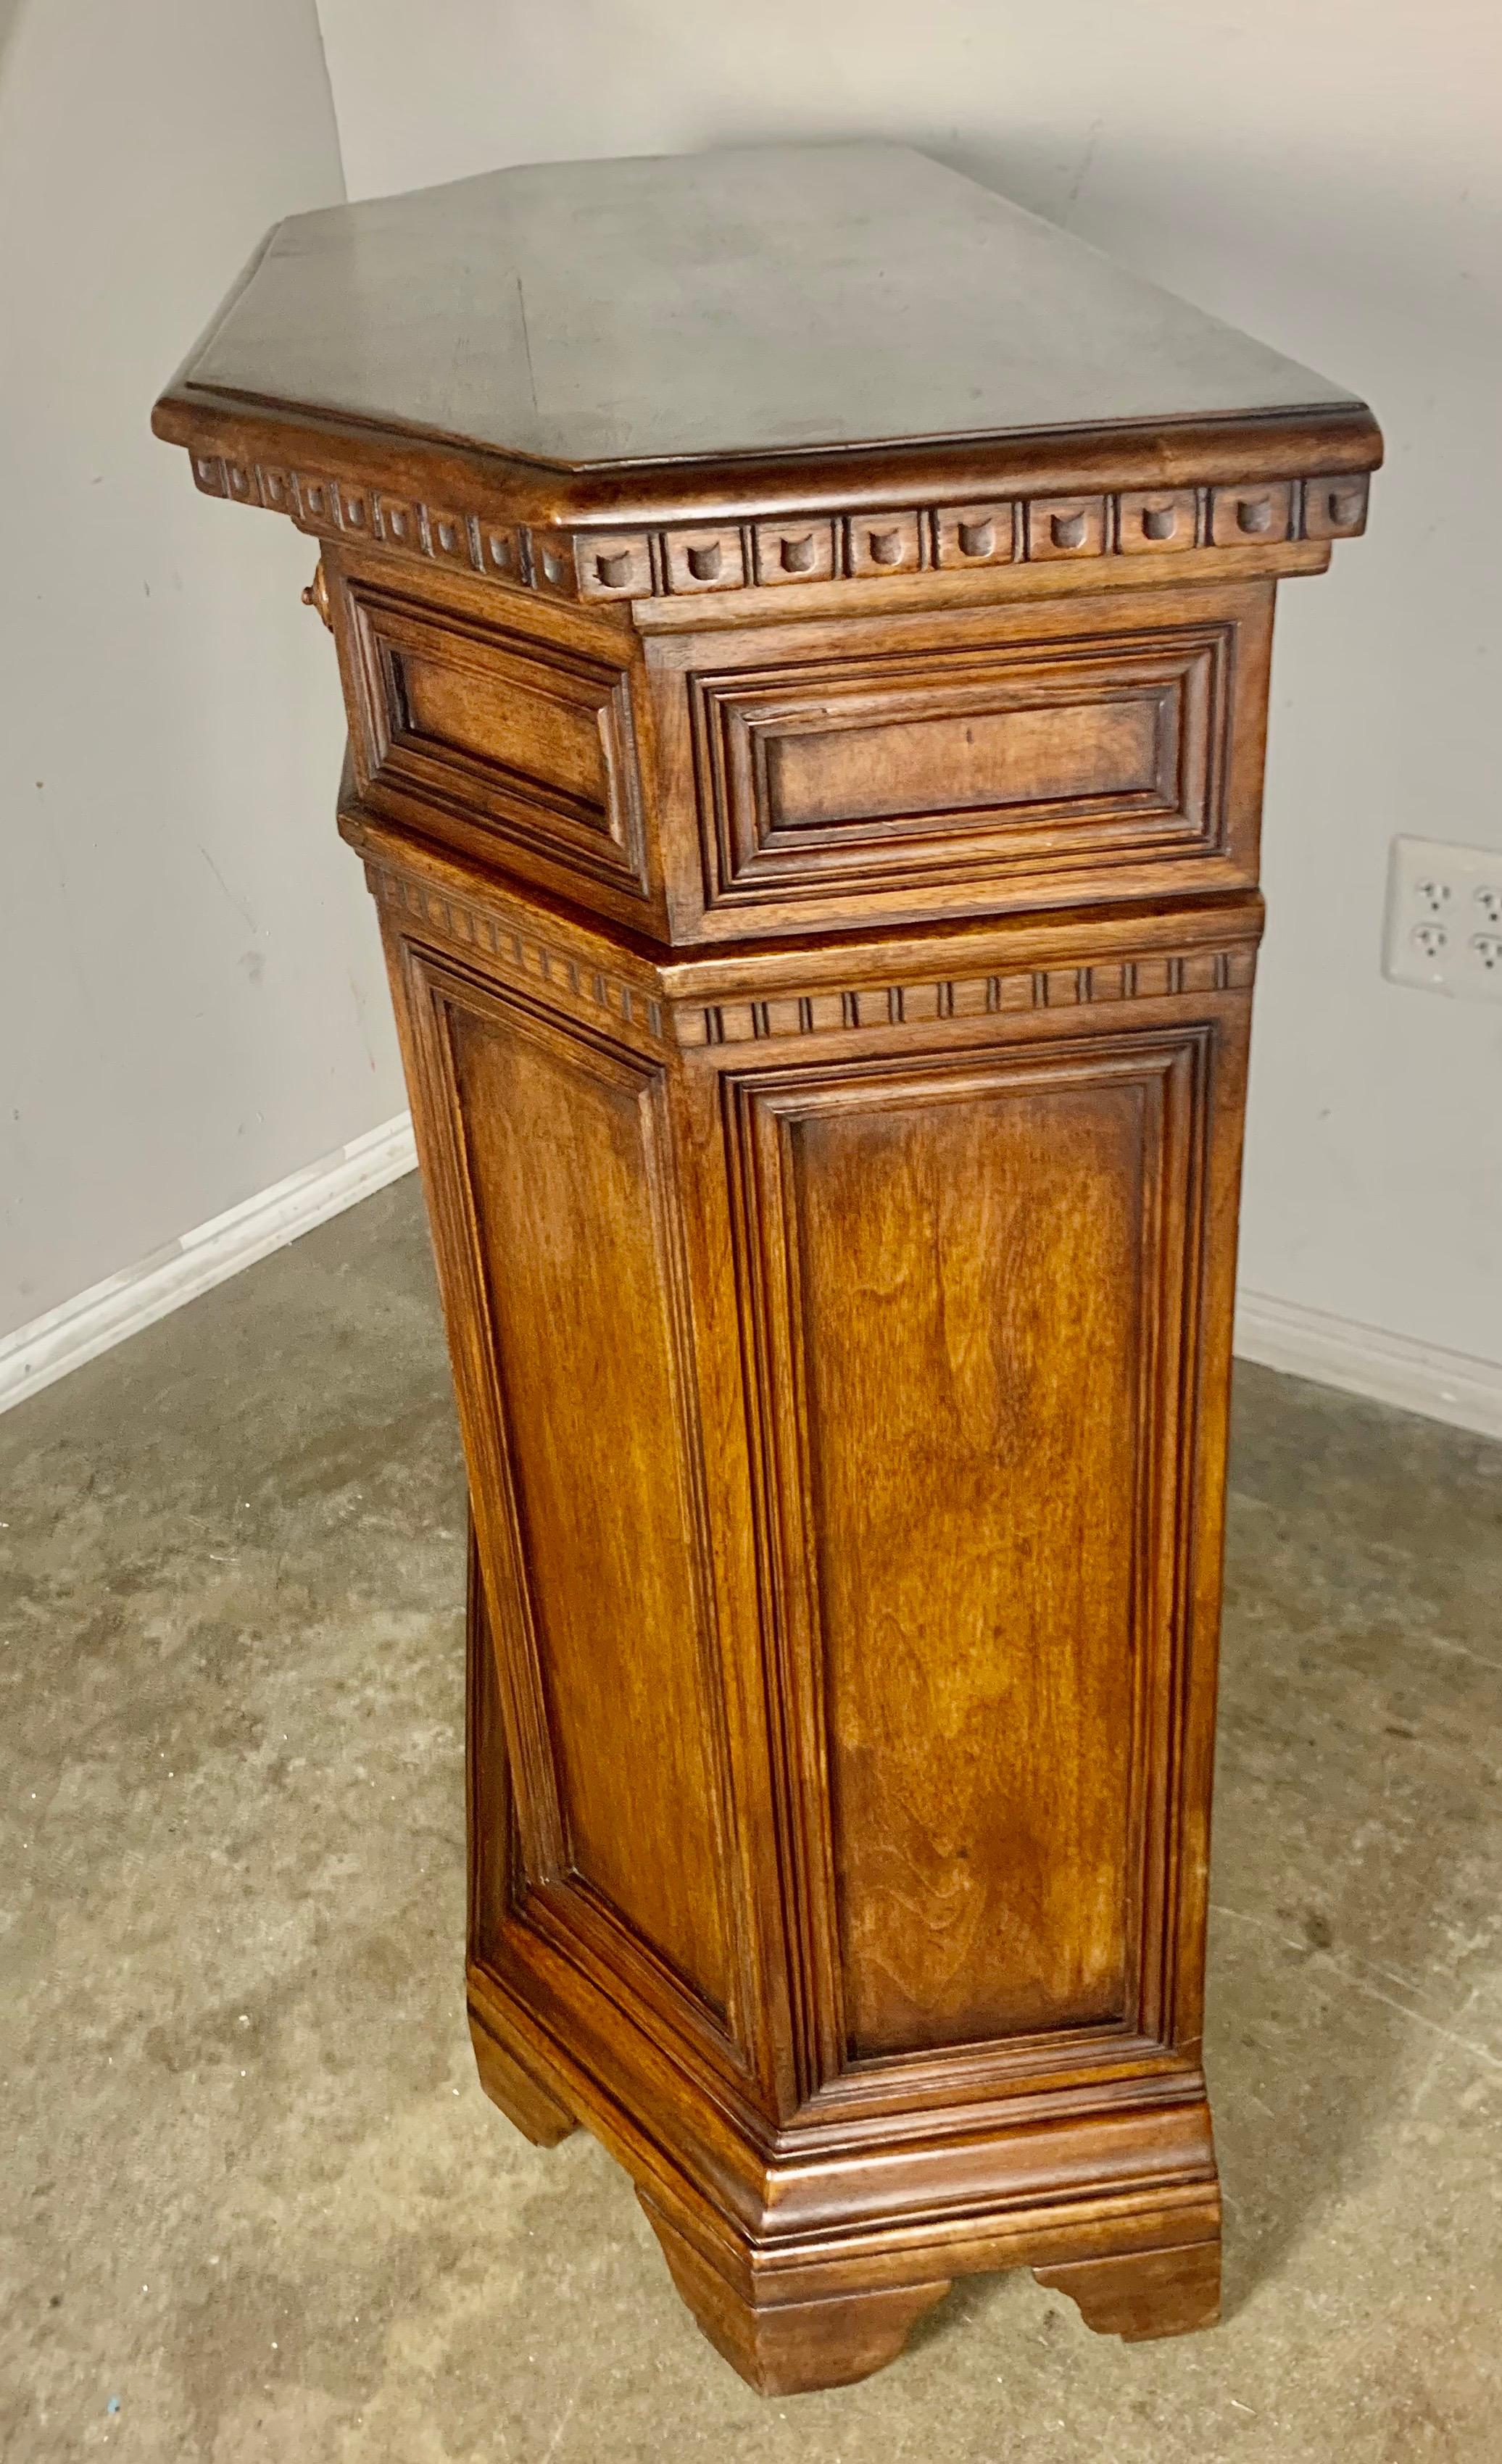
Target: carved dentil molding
[819,547]
[1002,993]
[564,981]
[556,976]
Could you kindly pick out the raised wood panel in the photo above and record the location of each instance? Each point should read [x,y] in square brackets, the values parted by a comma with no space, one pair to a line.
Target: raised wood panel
[919,767]
[464,722]
[972,1437]
[983,760]
[562,1144]
[547,737]
[970,1305]
[1113,749]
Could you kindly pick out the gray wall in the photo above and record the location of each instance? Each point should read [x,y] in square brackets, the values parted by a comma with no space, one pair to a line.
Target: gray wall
[1328,176]
[191,999]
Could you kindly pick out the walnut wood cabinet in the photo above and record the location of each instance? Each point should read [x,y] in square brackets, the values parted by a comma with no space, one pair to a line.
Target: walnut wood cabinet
[804,627]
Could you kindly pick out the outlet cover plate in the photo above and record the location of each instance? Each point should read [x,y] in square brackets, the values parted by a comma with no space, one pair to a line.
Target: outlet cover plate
[1443,928]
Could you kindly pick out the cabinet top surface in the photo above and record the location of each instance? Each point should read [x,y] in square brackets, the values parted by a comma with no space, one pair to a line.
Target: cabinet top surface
[725,306]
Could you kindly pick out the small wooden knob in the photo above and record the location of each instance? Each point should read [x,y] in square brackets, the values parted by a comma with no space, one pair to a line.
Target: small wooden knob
[316,594]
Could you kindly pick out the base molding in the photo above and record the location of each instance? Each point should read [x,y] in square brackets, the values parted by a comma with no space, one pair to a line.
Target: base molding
[1451,1386]
[1143,2293]
[792,2348]
[533,2106]
[786,2343]
[94,1321]
[1124,2219]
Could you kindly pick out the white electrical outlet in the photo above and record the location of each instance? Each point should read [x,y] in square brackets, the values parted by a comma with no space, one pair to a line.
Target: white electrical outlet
[1445,919]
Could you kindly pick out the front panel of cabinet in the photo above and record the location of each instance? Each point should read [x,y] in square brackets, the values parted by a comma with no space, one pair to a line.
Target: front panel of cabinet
[972,761]
[973,1286]
[873,768]
[970,1493]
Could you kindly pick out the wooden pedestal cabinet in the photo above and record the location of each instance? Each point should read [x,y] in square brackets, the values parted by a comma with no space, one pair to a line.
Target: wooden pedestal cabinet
[805,629]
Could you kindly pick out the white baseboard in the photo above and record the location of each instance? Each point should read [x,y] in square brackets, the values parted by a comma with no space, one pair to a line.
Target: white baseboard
[1280,1334]
[1387,1367]
[89,1324]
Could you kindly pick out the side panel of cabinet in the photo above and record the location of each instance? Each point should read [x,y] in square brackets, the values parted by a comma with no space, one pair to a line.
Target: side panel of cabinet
[559,1249]
[974,1285]
[517,739]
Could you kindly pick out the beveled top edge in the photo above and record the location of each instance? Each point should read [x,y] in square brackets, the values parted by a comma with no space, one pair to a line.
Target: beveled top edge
[1342,438]
[586,348]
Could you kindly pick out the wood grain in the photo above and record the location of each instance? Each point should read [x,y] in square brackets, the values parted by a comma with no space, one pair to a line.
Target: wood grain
[783,2348]
[1144,2293]
[957,763]
[968,1265]
[495,743]
[560,1171]
[731,336]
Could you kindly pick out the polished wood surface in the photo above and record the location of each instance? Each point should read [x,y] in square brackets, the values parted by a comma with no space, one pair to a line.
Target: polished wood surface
[818,867]
[742,302]
[750,332]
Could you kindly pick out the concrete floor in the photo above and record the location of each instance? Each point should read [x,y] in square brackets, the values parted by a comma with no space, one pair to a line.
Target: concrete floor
[253,2204]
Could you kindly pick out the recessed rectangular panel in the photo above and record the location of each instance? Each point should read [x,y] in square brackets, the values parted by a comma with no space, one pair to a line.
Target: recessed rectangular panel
[548,738]
[968,759]
[970,1264]
[924,770]
[480,734]
[565,1179]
